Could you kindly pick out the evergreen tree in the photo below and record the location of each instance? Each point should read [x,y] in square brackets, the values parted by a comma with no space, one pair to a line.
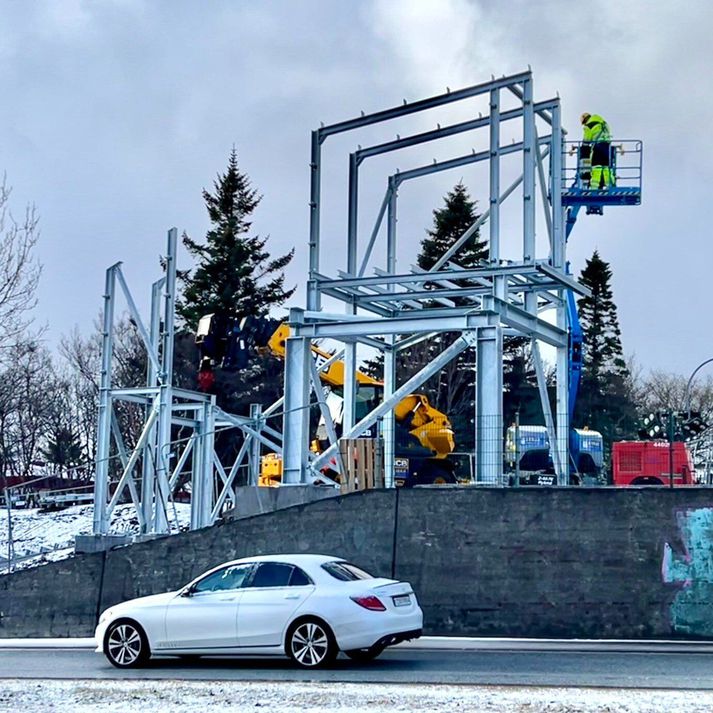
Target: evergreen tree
[63,449]
[449,223]
[604,402]
[235,274]
[603,355]
[452,390]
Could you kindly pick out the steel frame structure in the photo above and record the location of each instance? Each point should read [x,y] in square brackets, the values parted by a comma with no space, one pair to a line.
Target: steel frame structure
[390,310]
[150,469]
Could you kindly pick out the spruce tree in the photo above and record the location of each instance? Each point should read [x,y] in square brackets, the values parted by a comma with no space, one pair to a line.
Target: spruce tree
[234,274]
[603,354]
[604,402]
[63,448]
[452,390]
[449,223]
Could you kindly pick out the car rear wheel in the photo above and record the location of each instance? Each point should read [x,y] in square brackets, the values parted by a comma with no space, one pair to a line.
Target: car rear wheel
[310,644]
[126,645]
[364,655]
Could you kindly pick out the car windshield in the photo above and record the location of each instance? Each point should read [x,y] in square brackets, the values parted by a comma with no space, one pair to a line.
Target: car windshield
[345,571]
[231,577]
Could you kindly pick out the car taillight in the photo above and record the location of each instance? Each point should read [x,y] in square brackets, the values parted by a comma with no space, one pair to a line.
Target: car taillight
[372,603]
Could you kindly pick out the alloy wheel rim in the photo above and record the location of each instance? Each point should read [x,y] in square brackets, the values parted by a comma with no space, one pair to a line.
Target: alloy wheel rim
[309,644]
[124,644]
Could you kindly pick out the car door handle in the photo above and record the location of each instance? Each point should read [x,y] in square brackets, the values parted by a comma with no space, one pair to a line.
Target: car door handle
[292,596]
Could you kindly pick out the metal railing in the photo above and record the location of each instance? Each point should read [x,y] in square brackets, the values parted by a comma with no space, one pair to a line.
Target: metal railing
[625,163]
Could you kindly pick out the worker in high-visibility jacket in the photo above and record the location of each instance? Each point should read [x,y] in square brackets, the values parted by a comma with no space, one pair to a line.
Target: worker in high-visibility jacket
[596,145]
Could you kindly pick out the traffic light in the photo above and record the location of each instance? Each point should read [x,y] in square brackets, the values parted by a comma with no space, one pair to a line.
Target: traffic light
[654,426]
[693,426]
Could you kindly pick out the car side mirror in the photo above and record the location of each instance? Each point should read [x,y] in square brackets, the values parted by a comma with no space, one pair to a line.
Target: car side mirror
[186,592]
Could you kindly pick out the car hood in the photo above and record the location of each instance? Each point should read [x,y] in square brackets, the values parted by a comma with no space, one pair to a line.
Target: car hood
[142,602]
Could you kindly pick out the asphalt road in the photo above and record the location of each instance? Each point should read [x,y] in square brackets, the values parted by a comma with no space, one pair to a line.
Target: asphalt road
[674,667]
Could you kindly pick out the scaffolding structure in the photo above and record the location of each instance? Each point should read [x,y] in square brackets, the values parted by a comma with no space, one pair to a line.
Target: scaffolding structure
[390,310]
[386,310]
[151,468]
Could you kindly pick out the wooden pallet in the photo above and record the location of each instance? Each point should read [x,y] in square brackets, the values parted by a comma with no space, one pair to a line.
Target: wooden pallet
[363,463]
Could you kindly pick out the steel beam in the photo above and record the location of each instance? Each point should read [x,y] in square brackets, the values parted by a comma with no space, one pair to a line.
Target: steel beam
[488,408]
[559,263]
[313,297]
[296,418]
[165,376]
[545,402]
[447,355]
[529,149]
[101,473]
[564,280]
[443,132]
[422,105]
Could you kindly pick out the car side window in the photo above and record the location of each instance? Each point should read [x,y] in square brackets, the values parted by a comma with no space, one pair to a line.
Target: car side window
[272,574]
[227,578]
[299,578]
[345,571]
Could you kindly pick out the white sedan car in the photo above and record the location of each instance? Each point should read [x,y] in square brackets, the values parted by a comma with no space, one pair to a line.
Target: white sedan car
[308,607]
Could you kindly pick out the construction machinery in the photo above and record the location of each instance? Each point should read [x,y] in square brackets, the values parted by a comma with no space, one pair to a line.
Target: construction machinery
[528,456]
[533,451]
[424,436]
[655,462]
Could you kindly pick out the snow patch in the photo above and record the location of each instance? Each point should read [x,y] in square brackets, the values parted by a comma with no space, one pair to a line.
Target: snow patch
[283,697]
[50,535]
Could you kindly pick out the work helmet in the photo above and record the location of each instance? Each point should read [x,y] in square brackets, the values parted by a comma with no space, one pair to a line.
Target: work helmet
[585,117]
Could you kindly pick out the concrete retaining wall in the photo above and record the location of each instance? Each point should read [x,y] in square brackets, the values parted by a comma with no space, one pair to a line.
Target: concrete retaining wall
[580,563]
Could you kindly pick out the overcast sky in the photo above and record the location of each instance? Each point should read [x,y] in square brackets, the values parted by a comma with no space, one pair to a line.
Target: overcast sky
[115,115]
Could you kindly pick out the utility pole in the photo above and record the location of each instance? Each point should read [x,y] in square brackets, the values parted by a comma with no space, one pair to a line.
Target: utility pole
[10,548]
[671,422]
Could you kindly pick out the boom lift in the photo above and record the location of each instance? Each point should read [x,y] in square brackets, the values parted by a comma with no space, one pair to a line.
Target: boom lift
[424,436]
[586,447]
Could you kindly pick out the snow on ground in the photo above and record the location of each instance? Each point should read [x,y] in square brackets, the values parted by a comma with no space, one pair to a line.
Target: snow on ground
[53,533]
[284,697]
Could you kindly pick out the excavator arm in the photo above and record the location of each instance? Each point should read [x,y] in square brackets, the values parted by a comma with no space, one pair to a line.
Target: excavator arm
[228,342]
[333,374]
[427,424]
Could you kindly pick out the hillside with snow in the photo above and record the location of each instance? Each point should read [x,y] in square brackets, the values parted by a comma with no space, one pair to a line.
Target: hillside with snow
[39,537]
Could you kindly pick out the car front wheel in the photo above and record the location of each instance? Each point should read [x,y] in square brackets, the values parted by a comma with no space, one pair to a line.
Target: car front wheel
[311,644]
[125,644]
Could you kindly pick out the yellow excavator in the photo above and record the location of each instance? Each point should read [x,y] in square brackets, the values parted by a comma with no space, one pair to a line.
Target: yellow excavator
[423,435]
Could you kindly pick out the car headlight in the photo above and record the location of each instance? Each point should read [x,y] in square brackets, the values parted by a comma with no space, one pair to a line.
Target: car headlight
[106,615]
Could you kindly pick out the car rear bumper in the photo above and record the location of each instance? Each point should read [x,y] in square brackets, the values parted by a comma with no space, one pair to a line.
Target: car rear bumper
[393,639]
[379,628]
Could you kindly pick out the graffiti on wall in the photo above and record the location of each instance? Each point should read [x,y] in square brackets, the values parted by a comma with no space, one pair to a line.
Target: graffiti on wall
[692,570]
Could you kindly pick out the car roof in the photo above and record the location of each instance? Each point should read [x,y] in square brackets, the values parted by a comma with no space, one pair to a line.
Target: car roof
[297,559]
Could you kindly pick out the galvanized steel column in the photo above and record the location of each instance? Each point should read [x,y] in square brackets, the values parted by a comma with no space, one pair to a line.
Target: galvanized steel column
[488,406]
[313,296]
[101,474]
[389,422]
[163,456]
[148,474]
[254,459]
[528,172]
[295,427]
[558,260]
